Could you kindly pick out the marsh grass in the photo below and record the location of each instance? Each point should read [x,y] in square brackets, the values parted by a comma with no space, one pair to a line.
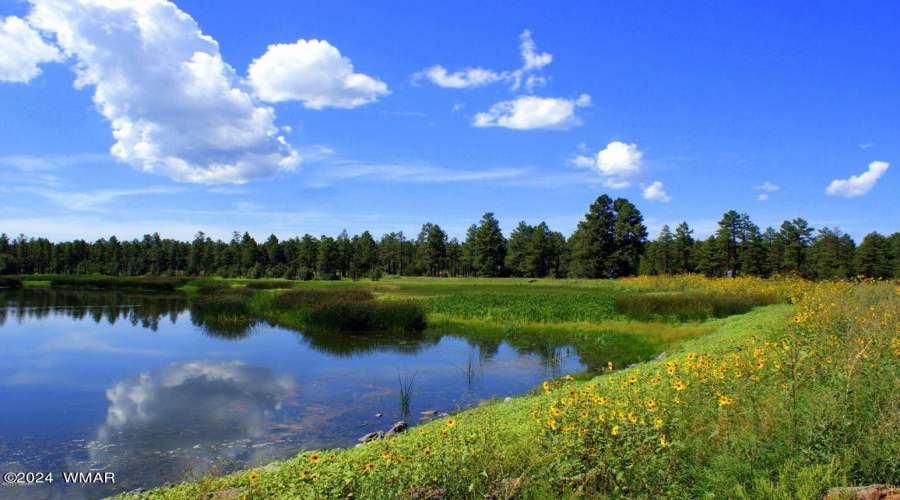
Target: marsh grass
[688,307]
[269,285]
[345,309]
[527,306]
[352,309]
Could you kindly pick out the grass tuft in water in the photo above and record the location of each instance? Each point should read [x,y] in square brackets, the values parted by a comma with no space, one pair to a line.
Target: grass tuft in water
[407,384]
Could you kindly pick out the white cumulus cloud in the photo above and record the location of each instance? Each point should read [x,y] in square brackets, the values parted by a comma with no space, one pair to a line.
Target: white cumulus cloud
[531,112]
[21,50]
[621,163]
[858,185]
[314,72]
[175,107]
[655,192]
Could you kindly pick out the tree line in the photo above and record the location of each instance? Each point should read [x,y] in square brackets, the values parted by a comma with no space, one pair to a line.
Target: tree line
[610,242]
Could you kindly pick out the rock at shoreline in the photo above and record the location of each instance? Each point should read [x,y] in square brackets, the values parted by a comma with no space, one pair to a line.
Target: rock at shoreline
[397,428]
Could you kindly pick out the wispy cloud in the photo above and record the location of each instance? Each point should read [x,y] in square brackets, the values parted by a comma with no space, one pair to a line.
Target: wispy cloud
[91,201]
[330,173]
[528,75]
[767,186]
[29,163]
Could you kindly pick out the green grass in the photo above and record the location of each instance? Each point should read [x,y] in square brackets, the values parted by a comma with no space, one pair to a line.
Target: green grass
[781,402]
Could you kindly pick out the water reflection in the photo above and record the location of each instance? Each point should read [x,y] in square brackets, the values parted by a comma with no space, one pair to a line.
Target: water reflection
[84,387]
[227,329]
[190,413]
[347,345]
[140,309]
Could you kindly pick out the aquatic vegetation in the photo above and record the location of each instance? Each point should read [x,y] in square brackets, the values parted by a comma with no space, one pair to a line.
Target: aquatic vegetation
[314,308]
[528,305]
[407,384]
[691,306]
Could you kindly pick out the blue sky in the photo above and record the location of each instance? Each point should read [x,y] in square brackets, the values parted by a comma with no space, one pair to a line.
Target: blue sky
[125,117]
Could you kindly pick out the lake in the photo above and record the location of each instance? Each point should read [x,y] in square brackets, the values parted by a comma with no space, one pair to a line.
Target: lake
[136,385]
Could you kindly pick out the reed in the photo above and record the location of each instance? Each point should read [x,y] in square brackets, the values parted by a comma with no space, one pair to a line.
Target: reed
[350,309]
[407,384]
[687,307]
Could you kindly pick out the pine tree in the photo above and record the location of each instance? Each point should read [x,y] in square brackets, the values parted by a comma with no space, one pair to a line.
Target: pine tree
[872,258]
[489,250]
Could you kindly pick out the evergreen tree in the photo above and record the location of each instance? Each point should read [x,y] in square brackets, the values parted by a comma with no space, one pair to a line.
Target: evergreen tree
[593,242]
[754,257]
[774,244]
[894,251]
[489,248]
[831,254]
[797,236]
[730,238]
[517,250]
[872,257]
[629,237]
[454,255]
[683,249]
[365,253]
[345,251]
[662,258]
[467,252]
[328,259]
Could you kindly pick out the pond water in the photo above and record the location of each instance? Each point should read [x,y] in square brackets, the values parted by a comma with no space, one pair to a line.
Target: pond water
[138,386]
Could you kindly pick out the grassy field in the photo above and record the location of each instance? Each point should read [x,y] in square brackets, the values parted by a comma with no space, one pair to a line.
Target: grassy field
[783,401]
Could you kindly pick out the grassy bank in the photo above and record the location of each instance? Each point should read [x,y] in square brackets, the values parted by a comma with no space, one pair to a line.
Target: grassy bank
[781,402]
